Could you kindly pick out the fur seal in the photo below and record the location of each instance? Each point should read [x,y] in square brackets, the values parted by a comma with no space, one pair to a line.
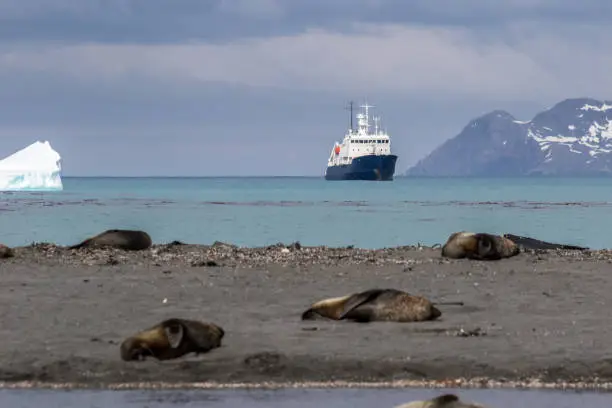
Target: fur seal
[172,338]
[481,246]
[389,305]
[532,243]
[128,240]
[442,401]
[6,252]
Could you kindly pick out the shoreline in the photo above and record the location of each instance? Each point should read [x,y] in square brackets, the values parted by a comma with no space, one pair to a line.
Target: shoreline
[536,320]
[474,383]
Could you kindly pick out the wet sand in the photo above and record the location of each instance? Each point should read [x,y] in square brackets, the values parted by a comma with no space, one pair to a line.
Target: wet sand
[539,315]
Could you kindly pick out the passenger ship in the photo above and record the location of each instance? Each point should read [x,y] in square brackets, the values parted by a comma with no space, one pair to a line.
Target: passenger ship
[362,155]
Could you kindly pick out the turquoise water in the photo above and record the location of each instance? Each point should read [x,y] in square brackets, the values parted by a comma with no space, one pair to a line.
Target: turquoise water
[295,398]
[262,211]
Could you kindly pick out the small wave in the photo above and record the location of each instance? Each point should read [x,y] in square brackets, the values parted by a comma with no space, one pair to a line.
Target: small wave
[522,204]
[143,200]
[260,203]
[287,203]
[15,203]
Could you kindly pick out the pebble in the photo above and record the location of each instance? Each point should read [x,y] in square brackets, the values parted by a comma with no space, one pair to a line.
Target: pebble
[224,254]
[477,382]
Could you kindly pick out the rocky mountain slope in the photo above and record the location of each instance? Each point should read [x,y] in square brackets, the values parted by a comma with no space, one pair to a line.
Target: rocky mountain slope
[573,138]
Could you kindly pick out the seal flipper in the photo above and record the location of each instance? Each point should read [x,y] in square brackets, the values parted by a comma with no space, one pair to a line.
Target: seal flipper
[357,300]
[174,332]
[363,313]
[532,243]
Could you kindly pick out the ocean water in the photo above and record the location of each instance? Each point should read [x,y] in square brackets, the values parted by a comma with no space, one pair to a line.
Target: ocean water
[263,211]
[296,398]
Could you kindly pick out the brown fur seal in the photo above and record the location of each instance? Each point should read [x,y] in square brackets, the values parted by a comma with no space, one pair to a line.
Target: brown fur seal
[442,401]
[481,246]
[172,338]
[6,252]
[374,305]
[115,238]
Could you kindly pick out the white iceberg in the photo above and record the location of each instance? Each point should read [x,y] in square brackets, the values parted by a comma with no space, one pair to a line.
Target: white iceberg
[35,167]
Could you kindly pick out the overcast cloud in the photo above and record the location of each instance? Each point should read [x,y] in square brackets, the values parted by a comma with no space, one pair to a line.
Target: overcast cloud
[258,87]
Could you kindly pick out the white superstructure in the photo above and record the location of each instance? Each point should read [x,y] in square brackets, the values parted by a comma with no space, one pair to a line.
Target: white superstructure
[360,142]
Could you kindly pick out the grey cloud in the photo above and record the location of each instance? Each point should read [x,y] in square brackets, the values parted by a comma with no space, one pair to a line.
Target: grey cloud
[169,21]
[423,61]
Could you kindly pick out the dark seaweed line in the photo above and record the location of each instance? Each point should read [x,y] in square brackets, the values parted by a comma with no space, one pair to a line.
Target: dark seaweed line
[14,204]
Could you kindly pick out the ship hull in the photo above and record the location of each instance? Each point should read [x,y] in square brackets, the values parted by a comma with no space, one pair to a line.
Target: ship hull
[371,167]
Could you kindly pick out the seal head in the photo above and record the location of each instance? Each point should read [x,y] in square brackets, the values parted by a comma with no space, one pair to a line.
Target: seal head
[6,252]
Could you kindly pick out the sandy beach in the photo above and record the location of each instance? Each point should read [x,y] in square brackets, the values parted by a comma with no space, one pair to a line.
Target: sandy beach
[538,315]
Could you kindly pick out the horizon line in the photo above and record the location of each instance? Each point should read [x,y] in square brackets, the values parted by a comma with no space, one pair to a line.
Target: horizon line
[402,176]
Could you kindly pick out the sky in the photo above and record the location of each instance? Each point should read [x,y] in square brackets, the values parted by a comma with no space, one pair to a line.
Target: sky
[259,87]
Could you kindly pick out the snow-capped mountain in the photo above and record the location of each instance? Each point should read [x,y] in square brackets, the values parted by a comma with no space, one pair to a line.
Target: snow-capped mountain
[574,137]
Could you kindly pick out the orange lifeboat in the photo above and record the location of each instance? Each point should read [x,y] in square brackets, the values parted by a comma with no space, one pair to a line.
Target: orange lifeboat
[337,150]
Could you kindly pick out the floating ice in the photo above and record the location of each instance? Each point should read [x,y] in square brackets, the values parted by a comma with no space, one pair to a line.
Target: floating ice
[35,167]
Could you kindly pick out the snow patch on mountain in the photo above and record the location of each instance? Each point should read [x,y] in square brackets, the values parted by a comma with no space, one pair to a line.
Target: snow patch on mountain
[604,107]
[591,135]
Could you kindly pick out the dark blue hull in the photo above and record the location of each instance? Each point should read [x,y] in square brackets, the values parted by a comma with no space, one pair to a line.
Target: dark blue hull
[371,168]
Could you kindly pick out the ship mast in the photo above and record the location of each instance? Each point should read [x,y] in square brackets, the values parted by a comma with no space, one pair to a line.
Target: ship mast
[350,107]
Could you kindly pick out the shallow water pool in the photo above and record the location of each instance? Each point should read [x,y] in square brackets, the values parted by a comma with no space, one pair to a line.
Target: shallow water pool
[294,398]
